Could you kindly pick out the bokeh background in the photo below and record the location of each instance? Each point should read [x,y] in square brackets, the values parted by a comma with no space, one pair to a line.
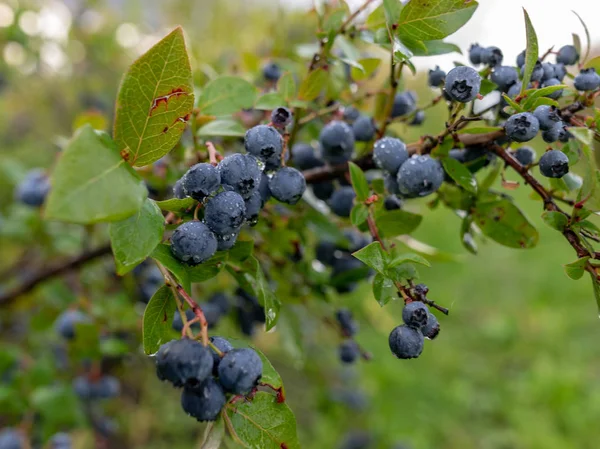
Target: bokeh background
[517,364]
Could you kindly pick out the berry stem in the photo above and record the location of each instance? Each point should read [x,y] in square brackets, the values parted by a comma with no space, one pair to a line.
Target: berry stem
[213,154]
[354,15]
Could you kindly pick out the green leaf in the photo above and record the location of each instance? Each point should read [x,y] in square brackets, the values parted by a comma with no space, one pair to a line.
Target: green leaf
[359,214]
[531,52]
[155,101]
[225,128]
[433,48]
[402,273]
[377,18]
[555,220]
[270,375]
[369,66]
[576,42]
[588,43]
[373,256]
[575,270]
[594,63]
[209,269]
[427,20]
[92,182]
[503,222]
[262,423]
[163,254]
[313,84]
[596,287]
[177,205]
[409,257]
[226,95]
[286,86]
[133,239]
[270,100]
[58,406]
[242,250]
[467,239]
[487,86]
[516,106]
[359,182]
[480,130]
[158,318]
[397,222]
[392,10]
[460,174]
[334,20]
[534,94]
[384,289]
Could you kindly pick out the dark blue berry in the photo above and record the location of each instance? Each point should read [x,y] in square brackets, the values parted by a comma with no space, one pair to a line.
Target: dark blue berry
[420,176]
[587,80]
[178,189]
[418,118]
[363,129]
[567,55]
[432,328]
[33,189]
[240,173]
[204,402]
[225,213]
[67,321]
[547,116]
[201,180]
[549,72]
[390,183]
[342,201]
[559,71]
[222,345]
[324,252]
[538,71]
[263,142]
[406,342]
[12,439]
[271,71]
[287,185]
[522,127]
[193,243]
[227,241]
[405,103]
[525,155]
[350,114]
[304,157]
[414,314]
[436,77]
[323,190]
[392,202]
[492,56]
[184,362]
[389,154]
[240,370]
[337,142]
[61,440]
[349,351]
[253,207]
[521,59]
[346,321]
[475,52]
[504,77]
[281,117]
[554,164]
[463,84]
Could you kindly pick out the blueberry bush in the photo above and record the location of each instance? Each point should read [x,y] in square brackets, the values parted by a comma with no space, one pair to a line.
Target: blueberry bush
[262,199]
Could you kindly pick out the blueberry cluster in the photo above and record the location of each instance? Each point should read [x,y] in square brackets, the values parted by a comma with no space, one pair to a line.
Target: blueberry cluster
[11,438]
[208,375]
[349,350]
[406,341]
[235,191]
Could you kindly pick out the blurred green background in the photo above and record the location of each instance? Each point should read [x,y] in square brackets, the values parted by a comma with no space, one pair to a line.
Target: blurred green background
[517,364]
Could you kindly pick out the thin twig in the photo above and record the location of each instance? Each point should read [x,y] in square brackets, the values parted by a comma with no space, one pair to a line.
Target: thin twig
[213,154]
[348,21]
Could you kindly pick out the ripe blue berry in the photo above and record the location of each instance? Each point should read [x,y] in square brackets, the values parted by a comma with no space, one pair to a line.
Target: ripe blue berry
[184,362]
[406,342]
[287,185]
[525,155]
[240,370]
[404,103]
[389,154]
[554,164]
[281,117]
[350,114]
[337,142]
[193,243]
[60,440]
[222,345]
[12,439]
[363,128]
[492,56]
[504,76]
[324,252]
[357,440]
[346,321]
[240,173]
[33,189]
[414,314]
[225,213]
[178,189]
[253,207]
[559,71]
[390,183]
[567,55]
[104,388]
[436,77]
[342,200]
[263,188]
[521,59]
[323,190]
[475,51]
[66,322]
[432,328]
[551,135]
[205,401]
[418,118]
[514,90]
[200,181]
[420,176]
[263,142]
[587,80]
[271,71]
[463,84]
[522,127]
[227,241]
[547,116]
[304,157]
[549,72]
[349,351]
[538,71]
[392,202]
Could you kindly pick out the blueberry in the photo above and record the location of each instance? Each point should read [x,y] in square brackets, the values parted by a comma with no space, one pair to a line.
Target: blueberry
[492,56]
[323,190]
[342,201]
[263,142]
[504,76]
[567,55]
[389,154]
[549,72]
[547,116]
[420,176]
[222,345]
[392,202]
[281,117]
[337,142]
[473,157]
[405,103]
[212,313]
[12,439]
[514,90]
[61,440]
[287,185]
[347,264]
[551,135]
[525,155]
[463,84]
[221,300]
[406,342]
[350,114]
[178,189]
[346,321]
[227,241]
[274,162]
[475,51]
[225,213]
[522,127]
[200,181]
[240,173]
[240,370]
[538,71]
[66,323]
[324,252]
[193,243]
[304,157]
[436,77]
[104,388]
[432,328]
[357,440]
[521,59]
[263,188]
[363,129]
[559,71]
[414,314]
[184,362]
[205,401]
[390,183]
[253,207]
[554,164]
[177,324]
[356,240]
[33,189]
[587,80]
[271,71]
[418,118]
[349,351]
